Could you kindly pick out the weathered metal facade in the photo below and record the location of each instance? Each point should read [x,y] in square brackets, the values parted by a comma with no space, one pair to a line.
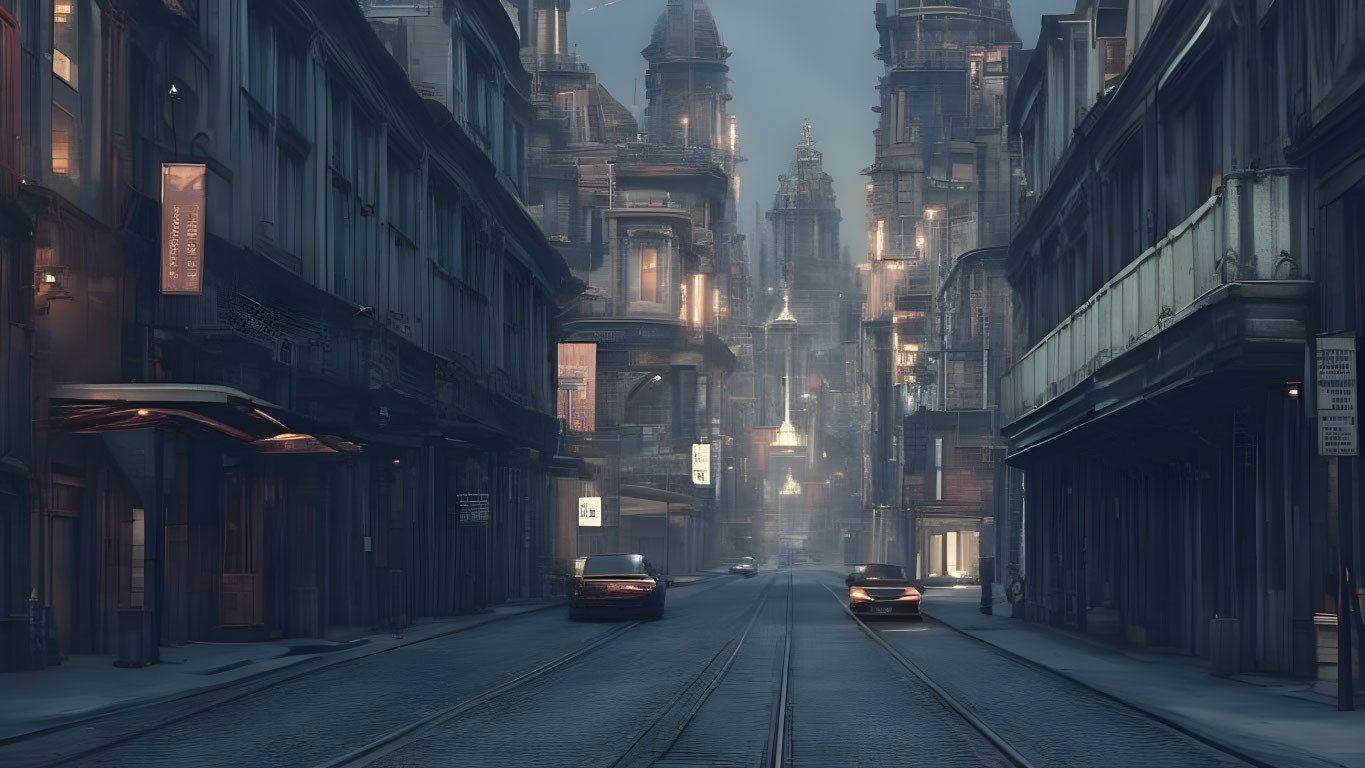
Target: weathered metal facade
[1173,257]
[351,426]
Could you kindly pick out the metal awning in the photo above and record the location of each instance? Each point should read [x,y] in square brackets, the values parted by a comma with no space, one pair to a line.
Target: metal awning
[224,411]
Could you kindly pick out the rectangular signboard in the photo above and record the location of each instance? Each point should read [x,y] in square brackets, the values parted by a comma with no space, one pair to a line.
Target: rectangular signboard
[590,512]
[1338,431]
[701,464]
[182,228]
[473,507]
[578,386]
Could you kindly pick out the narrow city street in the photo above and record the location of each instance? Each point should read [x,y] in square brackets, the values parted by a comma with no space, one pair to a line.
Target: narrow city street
[768,670]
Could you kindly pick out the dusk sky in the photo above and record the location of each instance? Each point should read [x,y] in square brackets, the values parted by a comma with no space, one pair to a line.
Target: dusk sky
[792,59]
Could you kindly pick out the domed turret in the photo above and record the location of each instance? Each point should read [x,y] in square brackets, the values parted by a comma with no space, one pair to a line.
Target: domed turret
[686,82]
[686,30]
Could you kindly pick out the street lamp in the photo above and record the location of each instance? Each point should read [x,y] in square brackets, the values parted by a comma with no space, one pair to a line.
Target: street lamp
[789,488]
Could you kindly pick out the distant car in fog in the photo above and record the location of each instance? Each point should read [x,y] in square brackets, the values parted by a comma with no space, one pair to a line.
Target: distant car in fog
[747,566]
[617,584]
[883,590]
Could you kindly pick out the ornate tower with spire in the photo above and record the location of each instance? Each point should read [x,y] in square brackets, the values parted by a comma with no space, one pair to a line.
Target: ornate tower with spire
[686,81]
[805,225]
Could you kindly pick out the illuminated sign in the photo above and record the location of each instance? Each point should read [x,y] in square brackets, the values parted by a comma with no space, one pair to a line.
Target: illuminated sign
[590,512]
[701,464]
[182,228]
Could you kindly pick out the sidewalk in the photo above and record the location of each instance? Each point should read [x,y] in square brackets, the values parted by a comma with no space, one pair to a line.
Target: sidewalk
[1275,721]
[704,575]
[86,687]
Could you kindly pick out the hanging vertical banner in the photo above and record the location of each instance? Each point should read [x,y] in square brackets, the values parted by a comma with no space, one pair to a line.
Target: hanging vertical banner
[590,512]
[182,228]
[1338,433]
[701,464]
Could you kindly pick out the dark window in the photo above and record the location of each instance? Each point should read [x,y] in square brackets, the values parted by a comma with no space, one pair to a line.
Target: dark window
[611,565]
[883,573]
[9,101]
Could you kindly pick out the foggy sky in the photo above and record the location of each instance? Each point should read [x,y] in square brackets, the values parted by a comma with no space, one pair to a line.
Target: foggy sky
[792,59]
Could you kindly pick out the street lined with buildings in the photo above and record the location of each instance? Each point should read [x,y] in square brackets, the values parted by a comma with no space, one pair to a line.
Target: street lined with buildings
[337,336]
[681,691]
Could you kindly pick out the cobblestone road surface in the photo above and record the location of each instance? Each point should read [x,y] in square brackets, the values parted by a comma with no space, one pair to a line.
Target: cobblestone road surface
[849,703]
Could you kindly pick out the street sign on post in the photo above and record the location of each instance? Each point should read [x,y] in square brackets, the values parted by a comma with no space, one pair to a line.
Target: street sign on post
[701,464]
[590,512]
[1338,432]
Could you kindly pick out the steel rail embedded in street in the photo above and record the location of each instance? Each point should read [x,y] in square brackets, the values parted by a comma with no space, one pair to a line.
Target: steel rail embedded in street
[779,741]
[1013,755]
[238,690]
[1154,717]
[401,737]
[639,753]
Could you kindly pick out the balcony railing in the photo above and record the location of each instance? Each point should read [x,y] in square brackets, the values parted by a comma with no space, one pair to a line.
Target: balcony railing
[1155,291]
[663,154]
[931,59]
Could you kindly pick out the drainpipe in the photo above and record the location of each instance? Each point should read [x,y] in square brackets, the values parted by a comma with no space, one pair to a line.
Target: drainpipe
[1346,501]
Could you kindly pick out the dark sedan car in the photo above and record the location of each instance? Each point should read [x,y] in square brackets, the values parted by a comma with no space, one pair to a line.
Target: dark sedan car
[617,584]
[883,590]
[747,566]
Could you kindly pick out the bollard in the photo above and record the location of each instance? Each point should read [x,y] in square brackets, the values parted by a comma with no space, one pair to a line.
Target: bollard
[987,568]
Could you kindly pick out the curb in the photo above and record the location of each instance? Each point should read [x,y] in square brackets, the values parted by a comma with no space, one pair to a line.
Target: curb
[312,664]
[1188,730]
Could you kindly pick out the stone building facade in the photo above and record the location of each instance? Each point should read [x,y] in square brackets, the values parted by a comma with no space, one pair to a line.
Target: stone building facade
[644,214]
[938,205]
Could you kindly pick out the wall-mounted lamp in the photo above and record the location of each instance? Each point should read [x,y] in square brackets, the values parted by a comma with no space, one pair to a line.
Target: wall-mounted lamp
[1293,389]
[397,462]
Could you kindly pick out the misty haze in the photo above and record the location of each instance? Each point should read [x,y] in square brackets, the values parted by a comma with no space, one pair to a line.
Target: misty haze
[782,383]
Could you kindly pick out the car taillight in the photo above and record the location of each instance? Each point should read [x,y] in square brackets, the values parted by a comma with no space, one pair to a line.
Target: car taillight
[858,595]
[910,598]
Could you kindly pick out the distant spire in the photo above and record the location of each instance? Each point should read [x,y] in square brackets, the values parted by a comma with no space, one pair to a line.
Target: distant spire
[786,316]
[807,135]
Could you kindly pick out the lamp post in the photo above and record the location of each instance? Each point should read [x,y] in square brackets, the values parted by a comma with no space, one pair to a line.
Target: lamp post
[789,488]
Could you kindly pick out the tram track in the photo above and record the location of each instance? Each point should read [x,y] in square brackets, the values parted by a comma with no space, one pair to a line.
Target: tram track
[950,702]
[662,735]
[200,703]
[1085,689]
[644,749]
[397,739]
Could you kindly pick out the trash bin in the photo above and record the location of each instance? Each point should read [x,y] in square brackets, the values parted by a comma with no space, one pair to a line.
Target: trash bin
[1224,651]
[987,567]
[136,643]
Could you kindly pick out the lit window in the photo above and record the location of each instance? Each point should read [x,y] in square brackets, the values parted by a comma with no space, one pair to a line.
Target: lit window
[649,275]
[64,40]
[64,156]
